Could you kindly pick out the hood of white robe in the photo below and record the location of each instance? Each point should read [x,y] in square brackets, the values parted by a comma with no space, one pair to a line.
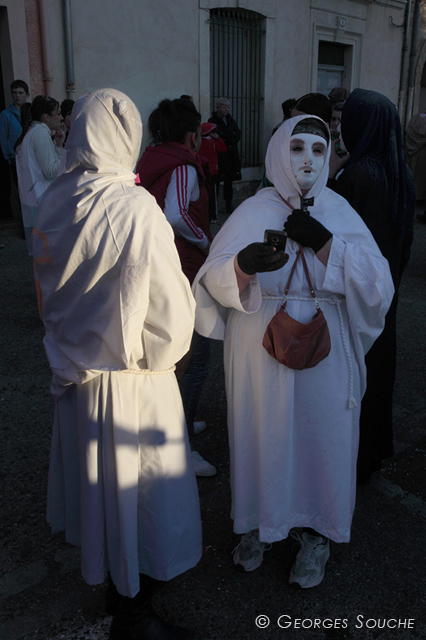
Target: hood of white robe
[103,144]
[278,164]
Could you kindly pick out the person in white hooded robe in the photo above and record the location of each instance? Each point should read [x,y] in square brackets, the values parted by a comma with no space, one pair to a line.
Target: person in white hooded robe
[118,314]
[293,434]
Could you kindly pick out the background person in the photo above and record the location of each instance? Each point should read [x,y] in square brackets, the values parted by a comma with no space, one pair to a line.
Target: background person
[378,184]
[37,156]
[211,146]
[229,162]
[10,130]
[336,116]
[10,123]
[338,94]
[118,314]
[286,107]
[315,104]
[66,110]
[173,172]
[293,434]
[335,126]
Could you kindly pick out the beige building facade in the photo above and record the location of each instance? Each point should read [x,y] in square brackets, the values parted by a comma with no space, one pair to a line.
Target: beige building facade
[257,52]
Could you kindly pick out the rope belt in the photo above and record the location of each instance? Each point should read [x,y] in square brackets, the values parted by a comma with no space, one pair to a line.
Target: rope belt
[336,300]
[148,372]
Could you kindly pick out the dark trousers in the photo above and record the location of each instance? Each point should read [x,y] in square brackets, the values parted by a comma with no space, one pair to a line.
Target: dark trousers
[5,188]
[191,383]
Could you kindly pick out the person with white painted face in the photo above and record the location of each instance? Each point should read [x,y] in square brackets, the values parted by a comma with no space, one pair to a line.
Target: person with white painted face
[293,433]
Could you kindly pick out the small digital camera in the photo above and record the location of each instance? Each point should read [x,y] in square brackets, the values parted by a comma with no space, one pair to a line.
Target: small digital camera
[275,238]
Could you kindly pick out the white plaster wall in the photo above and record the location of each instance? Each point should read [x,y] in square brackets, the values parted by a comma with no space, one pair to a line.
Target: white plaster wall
[152,49]
[291,55]
[148,49]
[382,52]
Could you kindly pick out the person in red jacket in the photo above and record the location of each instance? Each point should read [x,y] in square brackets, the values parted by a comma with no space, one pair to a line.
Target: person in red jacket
[211,145]
[173,172]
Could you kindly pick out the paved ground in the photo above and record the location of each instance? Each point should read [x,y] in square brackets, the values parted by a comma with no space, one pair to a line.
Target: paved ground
[374,583]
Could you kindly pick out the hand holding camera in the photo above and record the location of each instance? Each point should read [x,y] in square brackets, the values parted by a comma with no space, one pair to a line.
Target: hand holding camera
[259,257]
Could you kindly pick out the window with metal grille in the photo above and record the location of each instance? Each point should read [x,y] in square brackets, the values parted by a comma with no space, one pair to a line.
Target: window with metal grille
[331,53]
[236,73]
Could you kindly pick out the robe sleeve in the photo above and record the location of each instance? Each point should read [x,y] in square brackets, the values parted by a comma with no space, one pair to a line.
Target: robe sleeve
[169,320]
[215,286]
[361,274]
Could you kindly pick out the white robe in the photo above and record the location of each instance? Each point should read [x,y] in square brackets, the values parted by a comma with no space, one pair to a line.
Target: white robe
[118,314]
[293,435]
[37,163]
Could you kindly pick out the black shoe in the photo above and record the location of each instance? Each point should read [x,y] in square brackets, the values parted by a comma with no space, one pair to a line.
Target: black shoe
[135,619]
[112,597]
[365,471]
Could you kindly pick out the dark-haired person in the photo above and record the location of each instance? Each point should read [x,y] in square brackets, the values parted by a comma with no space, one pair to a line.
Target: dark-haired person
[10,122]
[173,172]
[10,130]
[338,94]
[336,116]
[37,156]
[286,107]
[66,110]
[336,120]
[315,104]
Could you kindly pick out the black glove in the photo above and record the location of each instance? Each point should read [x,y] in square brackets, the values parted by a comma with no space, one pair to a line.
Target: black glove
[258,257]
[307,231]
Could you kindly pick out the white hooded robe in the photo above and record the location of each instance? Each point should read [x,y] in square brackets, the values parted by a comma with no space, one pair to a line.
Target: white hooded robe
[293,435]
[118,314]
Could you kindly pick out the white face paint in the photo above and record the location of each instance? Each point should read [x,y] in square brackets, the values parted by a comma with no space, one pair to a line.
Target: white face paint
[307,156]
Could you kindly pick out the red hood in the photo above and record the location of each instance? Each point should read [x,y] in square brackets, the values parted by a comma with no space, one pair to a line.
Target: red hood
[162,158]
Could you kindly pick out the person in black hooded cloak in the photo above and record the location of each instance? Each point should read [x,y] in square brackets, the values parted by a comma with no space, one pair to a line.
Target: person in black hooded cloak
[378,184]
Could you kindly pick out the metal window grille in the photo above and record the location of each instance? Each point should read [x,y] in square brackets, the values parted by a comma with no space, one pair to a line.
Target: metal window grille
[236,66]
[331,53]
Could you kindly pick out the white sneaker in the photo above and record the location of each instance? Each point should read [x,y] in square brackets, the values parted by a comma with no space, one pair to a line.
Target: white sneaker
[199,427]
[309,566]
[201,466]
[249,551]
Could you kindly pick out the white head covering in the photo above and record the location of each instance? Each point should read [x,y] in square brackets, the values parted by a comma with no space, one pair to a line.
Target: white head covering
[103,144]
[278,164]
